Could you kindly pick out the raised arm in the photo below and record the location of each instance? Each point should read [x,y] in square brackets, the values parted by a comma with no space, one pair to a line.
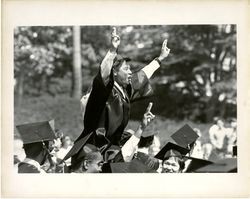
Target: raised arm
[155,64]
[107,62]
[130,147]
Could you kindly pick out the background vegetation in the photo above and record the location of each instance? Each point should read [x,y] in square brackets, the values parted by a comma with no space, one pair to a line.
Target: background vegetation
[54,67]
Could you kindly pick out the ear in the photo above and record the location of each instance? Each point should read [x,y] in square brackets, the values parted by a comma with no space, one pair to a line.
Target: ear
[85,164]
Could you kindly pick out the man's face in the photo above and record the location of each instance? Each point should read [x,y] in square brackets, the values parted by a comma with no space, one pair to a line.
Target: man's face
[170,165]
[123,74]
[95,166]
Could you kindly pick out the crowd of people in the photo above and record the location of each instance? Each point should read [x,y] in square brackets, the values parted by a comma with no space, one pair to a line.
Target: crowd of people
[105,145]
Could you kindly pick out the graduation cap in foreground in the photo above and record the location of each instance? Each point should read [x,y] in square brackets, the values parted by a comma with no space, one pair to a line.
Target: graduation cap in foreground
[196,163]
[171,150]
[228,165]
[135,166]
[185,136]
[96,138]
[36,132]
[77,146]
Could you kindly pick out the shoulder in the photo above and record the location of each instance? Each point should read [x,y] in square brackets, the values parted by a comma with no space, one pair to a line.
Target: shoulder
[27,168]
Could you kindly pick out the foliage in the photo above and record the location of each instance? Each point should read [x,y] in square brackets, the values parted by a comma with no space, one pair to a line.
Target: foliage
[198,76]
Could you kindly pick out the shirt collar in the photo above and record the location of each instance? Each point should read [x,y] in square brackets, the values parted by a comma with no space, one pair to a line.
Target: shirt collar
[120,89]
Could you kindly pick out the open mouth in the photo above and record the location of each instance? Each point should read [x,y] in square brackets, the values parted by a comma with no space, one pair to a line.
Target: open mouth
[129,79]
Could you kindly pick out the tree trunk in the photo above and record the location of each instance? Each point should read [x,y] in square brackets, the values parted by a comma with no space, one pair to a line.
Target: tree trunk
[20,82]
[77,74]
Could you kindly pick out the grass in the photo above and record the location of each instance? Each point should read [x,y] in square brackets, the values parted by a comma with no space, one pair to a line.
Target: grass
[67,115]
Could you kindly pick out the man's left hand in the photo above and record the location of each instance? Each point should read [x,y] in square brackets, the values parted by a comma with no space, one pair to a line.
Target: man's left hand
[164,50]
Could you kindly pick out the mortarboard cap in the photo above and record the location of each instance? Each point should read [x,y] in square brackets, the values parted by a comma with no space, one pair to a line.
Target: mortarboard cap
[196,163]
[36,132]
[77,146]
[171,149]
[135,166]
[185,136]
[228,165]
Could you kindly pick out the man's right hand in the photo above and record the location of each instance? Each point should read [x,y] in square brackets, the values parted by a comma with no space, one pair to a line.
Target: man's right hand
[115,40]
[147,117]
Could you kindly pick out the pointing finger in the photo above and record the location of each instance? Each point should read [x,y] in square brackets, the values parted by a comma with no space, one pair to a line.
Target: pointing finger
[149,107]
[165,42]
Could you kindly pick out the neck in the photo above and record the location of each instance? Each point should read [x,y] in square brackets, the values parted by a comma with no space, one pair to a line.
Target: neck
[120,84]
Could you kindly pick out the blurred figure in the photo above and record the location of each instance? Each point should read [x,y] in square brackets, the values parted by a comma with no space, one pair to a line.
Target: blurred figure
[57,141]
[231,138]
[217,134]
[18,149]
[66,146]
[88,160]
[207,150]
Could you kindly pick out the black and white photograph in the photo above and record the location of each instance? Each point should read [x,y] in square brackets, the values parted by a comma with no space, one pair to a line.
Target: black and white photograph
[125,99]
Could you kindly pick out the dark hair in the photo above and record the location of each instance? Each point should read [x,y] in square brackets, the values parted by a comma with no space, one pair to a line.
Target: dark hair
[118,61]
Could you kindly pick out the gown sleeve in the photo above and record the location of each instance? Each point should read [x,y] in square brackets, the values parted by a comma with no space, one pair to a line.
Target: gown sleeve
[140,85]
[101,89]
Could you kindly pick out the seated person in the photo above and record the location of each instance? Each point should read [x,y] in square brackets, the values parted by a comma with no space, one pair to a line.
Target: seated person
[171,157]
[37,143]
[88,160]
[66,146]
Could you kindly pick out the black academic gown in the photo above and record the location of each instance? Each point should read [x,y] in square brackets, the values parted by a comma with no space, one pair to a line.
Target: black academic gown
[107,108]
[24,167]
